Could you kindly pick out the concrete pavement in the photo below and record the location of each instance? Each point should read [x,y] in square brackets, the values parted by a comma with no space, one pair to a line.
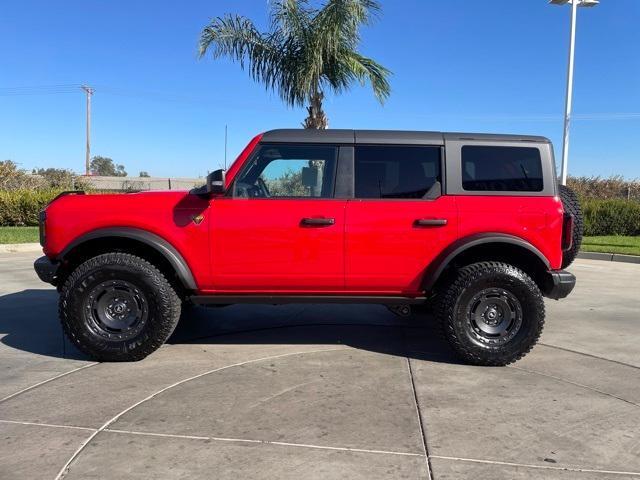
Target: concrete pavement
[323,392]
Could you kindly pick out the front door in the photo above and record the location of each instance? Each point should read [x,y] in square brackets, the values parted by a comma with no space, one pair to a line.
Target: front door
[280,229]
[399,221]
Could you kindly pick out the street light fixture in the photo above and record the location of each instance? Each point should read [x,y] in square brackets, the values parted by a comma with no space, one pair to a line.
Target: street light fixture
[569,99]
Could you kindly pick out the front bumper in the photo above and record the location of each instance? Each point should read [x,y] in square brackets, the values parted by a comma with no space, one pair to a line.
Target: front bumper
[559,284]
[46,269]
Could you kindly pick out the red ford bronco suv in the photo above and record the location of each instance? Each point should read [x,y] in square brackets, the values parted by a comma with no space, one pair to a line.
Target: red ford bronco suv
[474,225]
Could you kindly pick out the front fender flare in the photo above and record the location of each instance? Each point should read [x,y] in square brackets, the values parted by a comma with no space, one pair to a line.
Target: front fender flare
[154,241]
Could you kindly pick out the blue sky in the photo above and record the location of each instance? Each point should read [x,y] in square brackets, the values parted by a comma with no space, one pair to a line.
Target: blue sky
[466,65]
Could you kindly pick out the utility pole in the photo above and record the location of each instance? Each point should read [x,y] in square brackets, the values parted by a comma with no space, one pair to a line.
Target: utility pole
[89,91]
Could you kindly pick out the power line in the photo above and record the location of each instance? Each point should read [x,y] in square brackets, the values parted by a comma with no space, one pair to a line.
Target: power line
[152,95]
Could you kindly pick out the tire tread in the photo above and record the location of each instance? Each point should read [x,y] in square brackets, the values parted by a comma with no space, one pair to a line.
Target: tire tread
[445,308]
[166,298]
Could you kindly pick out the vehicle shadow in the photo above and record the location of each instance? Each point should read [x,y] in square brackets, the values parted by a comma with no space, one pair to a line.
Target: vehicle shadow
[29,323]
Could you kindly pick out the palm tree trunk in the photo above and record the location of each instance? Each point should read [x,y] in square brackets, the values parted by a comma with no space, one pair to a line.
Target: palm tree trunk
[316,117]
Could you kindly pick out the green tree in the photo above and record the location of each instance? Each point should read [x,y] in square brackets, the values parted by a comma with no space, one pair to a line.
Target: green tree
[144,174]
[104,166]
[306,52]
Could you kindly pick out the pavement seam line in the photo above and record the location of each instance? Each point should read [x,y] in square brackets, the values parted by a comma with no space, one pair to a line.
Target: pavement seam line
[265,442]
[423,435]
[52,425]
[63,471]
[24,390]
[590,355]
[217,439]
[570,382]
[541,467]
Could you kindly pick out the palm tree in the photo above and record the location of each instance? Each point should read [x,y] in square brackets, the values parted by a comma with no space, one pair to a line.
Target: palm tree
[306,52]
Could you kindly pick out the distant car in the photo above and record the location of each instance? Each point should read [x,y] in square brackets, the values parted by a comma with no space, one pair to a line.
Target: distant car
[473,225]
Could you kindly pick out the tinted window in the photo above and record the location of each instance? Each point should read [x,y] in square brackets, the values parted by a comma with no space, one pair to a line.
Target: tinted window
[500,169]
[397,172]
[288,171]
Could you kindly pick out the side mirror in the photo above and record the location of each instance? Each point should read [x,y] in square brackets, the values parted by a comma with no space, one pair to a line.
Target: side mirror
[216,182]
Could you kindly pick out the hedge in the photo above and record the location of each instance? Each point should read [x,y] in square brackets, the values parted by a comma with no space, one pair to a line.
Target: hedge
[21,207]
[611,217]
[602,217]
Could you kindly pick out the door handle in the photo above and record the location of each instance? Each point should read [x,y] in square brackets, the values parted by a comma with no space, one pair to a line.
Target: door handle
[430,222]
[317,222]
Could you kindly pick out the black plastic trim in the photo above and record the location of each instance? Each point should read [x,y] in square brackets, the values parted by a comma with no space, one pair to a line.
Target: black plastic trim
[344,181]
[559,284]
[287,299]
[436,268]
[42,219]
[46,269]
[151,239]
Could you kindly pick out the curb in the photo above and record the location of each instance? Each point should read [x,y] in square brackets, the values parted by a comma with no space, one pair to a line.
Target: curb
[20,247]
[610,257]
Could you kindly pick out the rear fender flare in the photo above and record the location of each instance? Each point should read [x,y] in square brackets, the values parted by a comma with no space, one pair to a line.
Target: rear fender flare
[435,269]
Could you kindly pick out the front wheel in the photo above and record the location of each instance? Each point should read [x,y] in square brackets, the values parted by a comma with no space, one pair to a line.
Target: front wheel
[491,313]
[118,307]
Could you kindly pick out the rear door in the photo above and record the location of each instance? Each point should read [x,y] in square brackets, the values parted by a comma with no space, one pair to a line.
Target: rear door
[280,229]
[399,220]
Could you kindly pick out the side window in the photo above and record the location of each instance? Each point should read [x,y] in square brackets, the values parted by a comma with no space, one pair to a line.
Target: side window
[288,171]
[397,172]
[501,169]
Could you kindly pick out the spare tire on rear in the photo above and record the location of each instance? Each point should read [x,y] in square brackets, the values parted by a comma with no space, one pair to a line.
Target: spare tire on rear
[571,206]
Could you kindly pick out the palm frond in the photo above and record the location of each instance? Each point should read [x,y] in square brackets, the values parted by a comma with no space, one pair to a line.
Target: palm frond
[291,17]
[366,69]
[236,37]
[305,51]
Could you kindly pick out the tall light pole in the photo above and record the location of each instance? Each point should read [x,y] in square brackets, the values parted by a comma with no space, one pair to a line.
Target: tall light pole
[89,91]
[569,98]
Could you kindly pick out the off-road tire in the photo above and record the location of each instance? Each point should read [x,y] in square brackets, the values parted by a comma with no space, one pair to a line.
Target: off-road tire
[160,304]
[571,205]
[458,324]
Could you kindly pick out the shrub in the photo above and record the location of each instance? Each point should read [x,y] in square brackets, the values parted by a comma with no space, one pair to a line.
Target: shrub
[60,178]
[605,188]
[21,207]
[13,178]
[611,217]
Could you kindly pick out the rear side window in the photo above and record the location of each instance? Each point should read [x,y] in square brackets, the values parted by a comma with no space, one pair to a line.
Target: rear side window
[397,171]
[501,169]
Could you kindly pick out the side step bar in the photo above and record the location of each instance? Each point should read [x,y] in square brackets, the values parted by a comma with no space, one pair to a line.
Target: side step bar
[285,299]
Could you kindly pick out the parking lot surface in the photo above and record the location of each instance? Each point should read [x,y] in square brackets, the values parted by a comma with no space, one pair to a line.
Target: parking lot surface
[317,391]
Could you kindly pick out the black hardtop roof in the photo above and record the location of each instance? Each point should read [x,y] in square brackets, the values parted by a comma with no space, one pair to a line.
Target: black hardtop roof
[398,137]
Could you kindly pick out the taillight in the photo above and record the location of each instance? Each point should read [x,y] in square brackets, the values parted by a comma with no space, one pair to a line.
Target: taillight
[567,231]
[42,217]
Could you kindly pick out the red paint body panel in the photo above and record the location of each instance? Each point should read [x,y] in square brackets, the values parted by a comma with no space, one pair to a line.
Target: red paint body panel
[538,220]
[386,251]
[242,158]
[260,244]
[166,214]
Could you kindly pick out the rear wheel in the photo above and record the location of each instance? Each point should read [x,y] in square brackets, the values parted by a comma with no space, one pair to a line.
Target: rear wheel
[571,205]
[491,313]
[118,307]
